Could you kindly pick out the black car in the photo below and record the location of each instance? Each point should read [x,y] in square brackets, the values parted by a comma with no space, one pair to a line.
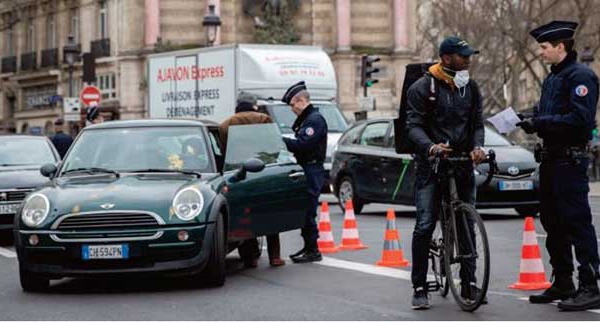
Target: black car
[367,169]
[21,157]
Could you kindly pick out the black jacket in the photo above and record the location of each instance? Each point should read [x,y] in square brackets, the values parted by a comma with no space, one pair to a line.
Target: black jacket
[456,117]
[62,142]
[310,142]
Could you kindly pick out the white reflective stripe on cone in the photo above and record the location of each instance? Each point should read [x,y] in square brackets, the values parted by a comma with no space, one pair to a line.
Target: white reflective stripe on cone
[349,214]
[349,233]
[324,217]
[325,236]
[529,238]
[531,266]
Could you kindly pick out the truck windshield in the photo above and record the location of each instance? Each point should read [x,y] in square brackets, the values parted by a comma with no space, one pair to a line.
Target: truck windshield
[284,117]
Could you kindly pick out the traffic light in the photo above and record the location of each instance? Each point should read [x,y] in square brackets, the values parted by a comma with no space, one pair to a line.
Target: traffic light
[367,70]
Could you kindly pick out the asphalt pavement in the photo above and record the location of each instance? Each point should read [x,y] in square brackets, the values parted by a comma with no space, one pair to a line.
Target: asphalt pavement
[344,286]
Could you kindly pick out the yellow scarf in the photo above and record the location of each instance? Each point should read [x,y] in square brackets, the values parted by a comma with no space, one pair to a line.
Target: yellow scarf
[438,72]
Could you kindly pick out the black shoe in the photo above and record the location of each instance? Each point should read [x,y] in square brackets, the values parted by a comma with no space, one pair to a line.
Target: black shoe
[420,301]
[298,253]
[471,292]
[562,288]
[586,298]
[308,256]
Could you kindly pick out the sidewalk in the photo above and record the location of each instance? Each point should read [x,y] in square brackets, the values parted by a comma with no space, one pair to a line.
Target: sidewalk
[594,189]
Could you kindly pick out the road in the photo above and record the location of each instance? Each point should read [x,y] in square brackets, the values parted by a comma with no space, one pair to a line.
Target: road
[344,286]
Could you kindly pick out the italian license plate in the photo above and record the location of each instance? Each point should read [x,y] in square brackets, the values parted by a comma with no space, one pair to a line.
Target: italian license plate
[515,185]
[9,208]
[105,251]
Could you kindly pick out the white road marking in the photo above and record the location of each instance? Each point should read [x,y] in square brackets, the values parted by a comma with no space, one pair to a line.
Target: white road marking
[7,252]
[365,268]
[556,303]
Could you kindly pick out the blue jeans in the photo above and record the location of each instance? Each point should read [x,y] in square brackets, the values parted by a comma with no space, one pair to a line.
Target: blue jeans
[428,202]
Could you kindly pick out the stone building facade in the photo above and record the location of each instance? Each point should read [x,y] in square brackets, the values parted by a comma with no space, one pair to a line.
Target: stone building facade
[121,33]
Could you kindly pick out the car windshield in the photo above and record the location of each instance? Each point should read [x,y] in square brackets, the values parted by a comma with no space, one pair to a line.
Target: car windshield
[25,151]
[284,117]
[139,149]
[492,138]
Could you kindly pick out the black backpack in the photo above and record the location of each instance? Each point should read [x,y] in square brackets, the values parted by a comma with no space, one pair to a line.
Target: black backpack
[413,73]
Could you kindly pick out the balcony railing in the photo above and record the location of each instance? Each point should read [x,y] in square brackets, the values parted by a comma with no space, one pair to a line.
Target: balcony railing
[29,61]
[50,57]
[101,48]
[9,64]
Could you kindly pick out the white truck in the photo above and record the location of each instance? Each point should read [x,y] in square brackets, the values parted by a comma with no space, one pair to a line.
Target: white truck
[204,83]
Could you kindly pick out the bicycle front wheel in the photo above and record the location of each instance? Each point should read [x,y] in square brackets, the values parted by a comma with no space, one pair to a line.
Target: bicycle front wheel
[467,257]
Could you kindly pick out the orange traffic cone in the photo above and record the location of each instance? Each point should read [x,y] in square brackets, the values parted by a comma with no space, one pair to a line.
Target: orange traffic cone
[350,239]
[392,255]
[531,271]
[325,241]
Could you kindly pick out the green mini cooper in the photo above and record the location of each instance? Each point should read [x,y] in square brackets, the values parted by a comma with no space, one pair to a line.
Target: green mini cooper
[157,196]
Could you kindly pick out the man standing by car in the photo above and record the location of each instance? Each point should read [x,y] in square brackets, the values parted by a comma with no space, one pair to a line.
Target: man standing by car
[444,116]
[246,113]
[309,146]
[61,140]
[564,119]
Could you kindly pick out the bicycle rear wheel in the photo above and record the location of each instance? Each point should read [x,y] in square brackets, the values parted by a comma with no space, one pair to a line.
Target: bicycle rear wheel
[467,258]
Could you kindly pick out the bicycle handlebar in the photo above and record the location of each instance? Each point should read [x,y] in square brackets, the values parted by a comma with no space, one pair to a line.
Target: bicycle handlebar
[490,158]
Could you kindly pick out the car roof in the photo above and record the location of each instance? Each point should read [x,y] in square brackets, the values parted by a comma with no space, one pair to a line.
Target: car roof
[151,123]
[21,136]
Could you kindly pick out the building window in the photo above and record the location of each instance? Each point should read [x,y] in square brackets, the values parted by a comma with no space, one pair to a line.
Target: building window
[51,33]
[10,49]
[103,21]
[108,86]
[75,25]
[30,35]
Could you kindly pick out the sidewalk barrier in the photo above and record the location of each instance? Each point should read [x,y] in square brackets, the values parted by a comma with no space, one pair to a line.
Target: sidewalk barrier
[325,242]
[392,255]
[350,238]
[531,270]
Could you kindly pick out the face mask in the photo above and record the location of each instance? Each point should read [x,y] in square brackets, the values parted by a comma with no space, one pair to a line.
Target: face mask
[461,78]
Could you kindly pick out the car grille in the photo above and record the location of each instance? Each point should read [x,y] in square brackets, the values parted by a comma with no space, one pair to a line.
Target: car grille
[14,195]
[104,221]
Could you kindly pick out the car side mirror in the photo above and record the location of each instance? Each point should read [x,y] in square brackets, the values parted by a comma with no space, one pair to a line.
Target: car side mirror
[48,170]
[250,165]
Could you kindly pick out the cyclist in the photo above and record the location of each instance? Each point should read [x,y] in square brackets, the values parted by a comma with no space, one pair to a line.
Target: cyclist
[444,116]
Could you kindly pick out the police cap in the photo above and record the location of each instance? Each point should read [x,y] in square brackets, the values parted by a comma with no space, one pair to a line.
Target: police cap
[292,91]
[555,30]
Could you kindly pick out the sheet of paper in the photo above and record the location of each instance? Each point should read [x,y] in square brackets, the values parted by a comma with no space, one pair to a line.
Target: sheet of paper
[505,121]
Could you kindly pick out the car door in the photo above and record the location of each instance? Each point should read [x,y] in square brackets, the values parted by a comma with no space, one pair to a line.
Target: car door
[370,180]
[398,173]
[272,200]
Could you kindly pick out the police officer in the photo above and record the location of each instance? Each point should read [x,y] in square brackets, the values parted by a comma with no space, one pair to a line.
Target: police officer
[564,119]
[308,146]
[61,140]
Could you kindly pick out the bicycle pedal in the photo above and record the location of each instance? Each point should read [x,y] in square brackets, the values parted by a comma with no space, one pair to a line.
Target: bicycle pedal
[433,286]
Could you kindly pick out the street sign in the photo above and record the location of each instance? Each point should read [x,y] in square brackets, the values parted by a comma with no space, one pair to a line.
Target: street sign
[72,117]
[367,104]
[71,105]
[90,94]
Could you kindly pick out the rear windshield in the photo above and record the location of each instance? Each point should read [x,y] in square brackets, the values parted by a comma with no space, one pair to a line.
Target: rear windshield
[284,117]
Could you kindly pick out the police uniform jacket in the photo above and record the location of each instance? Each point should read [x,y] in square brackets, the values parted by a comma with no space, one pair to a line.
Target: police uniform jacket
[566,112]
[310,142]
[62,142]
[454,116]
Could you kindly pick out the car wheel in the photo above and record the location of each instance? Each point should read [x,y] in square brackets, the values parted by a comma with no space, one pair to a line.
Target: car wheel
[215,270]
[527,211]
[346,191]
[30,282]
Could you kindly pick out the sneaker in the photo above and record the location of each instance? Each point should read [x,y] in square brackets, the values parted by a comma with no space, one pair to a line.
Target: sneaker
[586,298]
[471,292]
[420,301]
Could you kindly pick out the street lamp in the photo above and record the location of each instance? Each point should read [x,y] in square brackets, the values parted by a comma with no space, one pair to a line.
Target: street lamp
[587,55]
[211,25]
[70,53]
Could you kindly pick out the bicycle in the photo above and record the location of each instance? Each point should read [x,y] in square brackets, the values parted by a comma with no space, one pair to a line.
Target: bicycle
[464,256]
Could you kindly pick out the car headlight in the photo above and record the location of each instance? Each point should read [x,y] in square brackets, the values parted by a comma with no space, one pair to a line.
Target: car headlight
[188,203]
[35,210]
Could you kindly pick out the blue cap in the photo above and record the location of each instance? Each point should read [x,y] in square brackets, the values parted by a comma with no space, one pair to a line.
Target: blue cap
[454,45]
[556,30]
[292,91]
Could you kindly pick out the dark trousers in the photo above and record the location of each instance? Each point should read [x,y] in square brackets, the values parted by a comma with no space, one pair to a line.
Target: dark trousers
[565,215]
[428,202]
[249,248]
[315,176]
